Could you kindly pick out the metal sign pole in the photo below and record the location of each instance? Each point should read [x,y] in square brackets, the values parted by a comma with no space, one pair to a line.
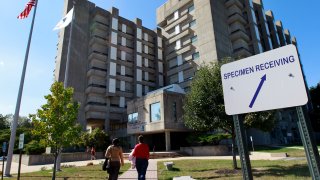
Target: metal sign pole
[309,144]
[19,168]
[4,148]
[242,148]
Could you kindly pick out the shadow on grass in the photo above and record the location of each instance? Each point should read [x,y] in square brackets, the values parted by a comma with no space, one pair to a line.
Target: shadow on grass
[175,169]
[280,171]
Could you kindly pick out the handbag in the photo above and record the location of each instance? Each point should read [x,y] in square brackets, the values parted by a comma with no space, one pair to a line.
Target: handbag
[106,165]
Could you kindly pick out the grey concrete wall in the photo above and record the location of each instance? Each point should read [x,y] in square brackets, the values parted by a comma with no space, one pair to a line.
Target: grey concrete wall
[219,150]
[49,159]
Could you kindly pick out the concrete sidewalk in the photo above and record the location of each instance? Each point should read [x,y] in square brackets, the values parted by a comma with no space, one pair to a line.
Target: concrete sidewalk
[150,175]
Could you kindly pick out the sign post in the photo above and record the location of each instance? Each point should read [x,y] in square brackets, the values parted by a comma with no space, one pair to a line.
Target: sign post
[309,144]
[21,142]
[4,149]
[252,143]
[264,82]
[242,147]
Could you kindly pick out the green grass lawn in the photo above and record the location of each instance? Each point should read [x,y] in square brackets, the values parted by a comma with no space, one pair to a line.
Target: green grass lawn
[71,173]
[222,169]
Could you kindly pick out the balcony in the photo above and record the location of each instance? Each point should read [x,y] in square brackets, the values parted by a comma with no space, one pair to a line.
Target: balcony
[95,115]
[96,90]
[236,17]
[237,3]
[94,108]
[179,36]
[180,51]
[95,72]
[180,20]
[239,34]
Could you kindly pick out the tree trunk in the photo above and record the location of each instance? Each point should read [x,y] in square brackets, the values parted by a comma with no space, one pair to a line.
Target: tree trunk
[54,166]
[234,152]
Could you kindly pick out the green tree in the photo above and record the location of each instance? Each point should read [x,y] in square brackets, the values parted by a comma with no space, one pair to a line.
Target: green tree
[4,122]
[55,122]
[204,106]
[315,113]
[97,138]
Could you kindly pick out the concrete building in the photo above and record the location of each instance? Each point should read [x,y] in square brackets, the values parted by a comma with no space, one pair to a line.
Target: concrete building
[158,116]
[115,62]
[203,31]
[112,60]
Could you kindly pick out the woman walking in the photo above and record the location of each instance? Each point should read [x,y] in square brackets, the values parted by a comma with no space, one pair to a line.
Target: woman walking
[115,155]
[141,153]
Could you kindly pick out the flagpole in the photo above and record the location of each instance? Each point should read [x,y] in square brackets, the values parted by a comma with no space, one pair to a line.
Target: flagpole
[16,114]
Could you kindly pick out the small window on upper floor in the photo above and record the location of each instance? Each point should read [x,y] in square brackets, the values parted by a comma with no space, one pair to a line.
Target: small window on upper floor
[191,8]
[176,15]
[194,39]
[195,56]
[192,23]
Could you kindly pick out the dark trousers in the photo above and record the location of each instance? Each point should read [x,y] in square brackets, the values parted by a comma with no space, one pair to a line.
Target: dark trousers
[142,165]
[114,170]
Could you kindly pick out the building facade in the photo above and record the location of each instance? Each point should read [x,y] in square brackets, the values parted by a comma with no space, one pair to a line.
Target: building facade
[204,31]
[159,117]
[112,60]
[115,62]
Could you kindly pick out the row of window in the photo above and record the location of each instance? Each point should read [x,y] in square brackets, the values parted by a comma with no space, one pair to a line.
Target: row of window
[155,114]
[176,14]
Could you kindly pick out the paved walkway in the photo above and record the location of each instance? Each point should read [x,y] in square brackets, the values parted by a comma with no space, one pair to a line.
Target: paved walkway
[151,172]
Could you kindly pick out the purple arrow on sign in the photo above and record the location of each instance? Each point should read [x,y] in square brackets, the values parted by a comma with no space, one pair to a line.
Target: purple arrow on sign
[263,79]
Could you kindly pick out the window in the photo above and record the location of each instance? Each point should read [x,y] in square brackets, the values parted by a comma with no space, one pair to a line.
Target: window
[113,54]
[133,118]
[114,23]
[195,56]
[180,77]
[124,28]
[179,60]
[192,23]
[178,44]
[155,112]
[191,8]
[177,29]
[139,33]
[114,38]
[139,47]
[194,39]
[174,111]
[176,15]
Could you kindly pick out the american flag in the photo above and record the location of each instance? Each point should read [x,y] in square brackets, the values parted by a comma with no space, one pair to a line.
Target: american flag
[27,10]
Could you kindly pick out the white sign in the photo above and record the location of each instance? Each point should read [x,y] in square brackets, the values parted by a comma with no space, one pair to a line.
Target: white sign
[266,81]
[4,147]
[21,141]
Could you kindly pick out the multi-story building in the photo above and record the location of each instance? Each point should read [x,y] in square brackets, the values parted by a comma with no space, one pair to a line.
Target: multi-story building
[203,31]
[114,60]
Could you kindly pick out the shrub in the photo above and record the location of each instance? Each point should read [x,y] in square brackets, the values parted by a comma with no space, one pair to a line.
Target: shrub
[67,165]
[35,148]
[207,139]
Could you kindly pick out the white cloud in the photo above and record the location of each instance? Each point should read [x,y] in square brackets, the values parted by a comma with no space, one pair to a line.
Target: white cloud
[1,63]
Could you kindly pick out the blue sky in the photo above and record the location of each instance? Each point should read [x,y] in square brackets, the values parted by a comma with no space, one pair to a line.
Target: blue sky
[300,18]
